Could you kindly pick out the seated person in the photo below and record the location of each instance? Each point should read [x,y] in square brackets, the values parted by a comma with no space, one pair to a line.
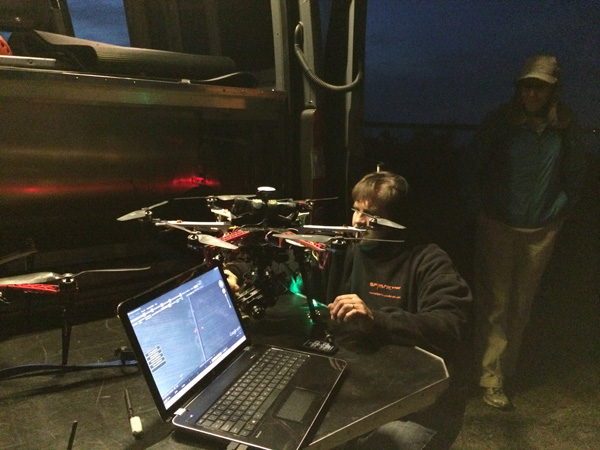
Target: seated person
[391,290]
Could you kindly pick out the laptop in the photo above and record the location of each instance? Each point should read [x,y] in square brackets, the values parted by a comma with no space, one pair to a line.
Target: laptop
[191,346]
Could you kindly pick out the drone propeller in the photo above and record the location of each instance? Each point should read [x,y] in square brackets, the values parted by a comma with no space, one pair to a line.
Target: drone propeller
[311,201]
[44,277]
[223,213]
[324,239]
[332,229]
[376,220]
[223,226]
[205,239]
[387,223]
[224,198]
[140,213]
[321,238]
[261,191]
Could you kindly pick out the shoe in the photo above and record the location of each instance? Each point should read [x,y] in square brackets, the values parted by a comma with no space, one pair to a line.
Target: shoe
[497,398]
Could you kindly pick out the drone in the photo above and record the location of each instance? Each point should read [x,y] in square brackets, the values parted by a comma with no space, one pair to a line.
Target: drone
[250,215]
[261,229]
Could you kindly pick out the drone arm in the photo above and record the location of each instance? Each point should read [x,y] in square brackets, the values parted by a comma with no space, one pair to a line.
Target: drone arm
[33,287]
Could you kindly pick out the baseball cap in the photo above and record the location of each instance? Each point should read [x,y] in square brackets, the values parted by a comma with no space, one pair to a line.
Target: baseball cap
[542,67]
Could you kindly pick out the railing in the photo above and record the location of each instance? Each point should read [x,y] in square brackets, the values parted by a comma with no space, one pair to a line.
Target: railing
[446,126]
[421,126]
[457,135]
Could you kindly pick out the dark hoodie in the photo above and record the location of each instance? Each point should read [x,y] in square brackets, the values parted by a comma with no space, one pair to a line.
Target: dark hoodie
[416,295]
[418,299]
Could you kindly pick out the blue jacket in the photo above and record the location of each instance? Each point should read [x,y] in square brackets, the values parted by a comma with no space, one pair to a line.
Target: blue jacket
[520,177]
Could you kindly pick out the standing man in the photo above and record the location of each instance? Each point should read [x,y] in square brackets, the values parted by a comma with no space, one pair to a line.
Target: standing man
[522,175]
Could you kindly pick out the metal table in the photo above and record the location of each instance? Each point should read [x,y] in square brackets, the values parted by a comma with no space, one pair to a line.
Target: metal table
[382,384]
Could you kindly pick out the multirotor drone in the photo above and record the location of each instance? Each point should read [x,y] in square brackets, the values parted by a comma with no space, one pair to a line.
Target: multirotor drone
[260,229]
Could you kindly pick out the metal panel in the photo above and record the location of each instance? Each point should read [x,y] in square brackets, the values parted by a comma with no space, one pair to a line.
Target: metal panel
[78,88]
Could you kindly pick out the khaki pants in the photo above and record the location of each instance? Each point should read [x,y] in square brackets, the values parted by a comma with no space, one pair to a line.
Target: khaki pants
[509,264]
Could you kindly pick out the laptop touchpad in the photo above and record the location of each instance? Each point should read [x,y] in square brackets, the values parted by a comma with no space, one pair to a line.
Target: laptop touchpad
[296,405]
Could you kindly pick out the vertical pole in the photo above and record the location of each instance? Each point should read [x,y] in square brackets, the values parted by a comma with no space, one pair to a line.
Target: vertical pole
[68,287]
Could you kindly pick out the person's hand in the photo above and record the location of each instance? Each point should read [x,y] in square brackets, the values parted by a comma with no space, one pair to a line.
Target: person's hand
[350,307]
[232,281]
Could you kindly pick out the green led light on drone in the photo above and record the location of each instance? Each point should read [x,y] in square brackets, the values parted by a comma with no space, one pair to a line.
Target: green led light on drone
[296,285]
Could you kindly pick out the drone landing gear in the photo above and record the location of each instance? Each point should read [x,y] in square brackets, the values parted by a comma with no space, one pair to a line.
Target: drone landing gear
[68,288]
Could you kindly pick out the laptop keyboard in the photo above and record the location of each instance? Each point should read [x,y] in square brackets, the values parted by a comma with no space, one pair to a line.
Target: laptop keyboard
[244,404]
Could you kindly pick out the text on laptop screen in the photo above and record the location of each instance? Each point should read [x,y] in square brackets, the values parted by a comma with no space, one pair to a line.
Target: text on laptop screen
[199,313]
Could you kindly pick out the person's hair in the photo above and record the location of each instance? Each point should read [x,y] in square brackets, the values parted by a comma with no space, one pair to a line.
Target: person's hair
[385,192]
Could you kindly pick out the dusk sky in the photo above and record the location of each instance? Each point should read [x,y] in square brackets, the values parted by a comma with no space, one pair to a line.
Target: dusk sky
[440,61]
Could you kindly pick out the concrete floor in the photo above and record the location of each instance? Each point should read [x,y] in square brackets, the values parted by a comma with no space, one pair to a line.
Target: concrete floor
[557,389]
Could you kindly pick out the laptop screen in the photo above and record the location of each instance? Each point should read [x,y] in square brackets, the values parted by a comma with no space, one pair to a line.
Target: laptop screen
[186,332]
